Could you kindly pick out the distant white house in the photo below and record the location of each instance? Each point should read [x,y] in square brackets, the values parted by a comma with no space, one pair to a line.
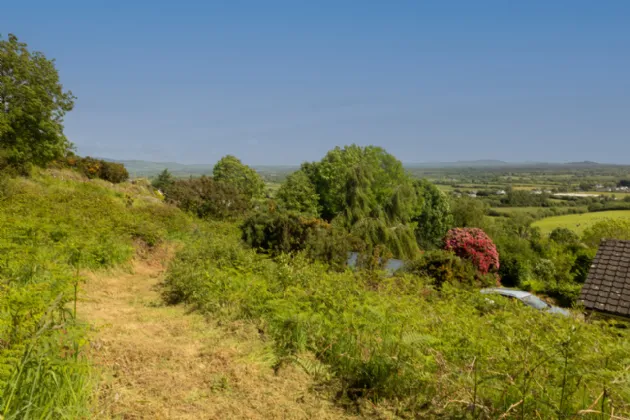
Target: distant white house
[500,192]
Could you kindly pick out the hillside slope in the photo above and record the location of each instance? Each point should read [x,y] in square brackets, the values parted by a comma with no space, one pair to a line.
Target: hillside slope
[161,362]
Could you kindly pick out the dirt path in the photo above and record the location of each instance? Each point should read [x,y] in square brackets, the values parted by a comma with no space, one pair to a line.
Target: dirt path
[161,362]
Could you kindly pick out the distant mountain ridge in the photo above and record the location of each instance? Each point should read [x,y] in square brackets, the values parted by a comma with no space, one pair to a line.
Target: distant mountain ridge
[139,168]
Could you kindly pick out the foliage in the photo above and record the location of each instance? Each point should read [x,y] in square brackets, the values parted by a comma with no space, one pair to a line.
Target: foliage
[606,229]
[298,194]
[357,181]
[445,267]
[564,236]
[434,217]
[289,232]
[163,181]
[366,191]
[404,347]
[514,270]
[468,212]
[98,168]
[32,106]
[473,244]
[523,198]
[207,198]
[230,170]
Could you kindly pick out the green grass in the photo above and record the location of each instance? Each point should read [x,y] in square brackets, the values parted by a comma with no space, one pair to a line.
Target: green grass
[579,222]
[53,225]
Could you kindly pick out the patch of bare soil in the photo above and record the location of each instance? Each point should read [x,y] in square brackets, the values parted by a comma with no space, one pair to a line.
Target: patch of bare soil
[164,362]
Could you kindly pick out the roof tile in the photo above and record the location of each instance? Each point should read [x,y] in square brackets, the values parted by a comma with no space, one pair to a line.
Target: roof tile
[607,287]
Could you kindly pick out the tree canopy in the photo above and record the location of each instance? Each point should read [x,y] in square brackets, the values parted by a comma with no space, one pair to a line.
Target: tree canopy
[230,170]
[434,217]
[32,106]
[298,194]
[366,191]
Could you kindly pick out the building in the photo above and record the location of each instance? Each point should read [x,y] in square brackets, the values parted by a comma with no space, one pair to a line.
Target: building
[607,287]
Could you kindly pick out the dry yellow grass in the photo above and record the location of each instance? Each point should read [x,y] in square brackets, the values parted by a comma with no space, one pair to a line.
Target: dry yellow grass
[162,362]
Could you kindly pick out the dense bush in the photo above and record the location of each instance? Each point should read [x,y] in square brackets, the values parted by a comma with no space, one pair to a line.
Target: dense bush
[441,267]
[564,236]
[98,168]
[405,348]
[473,244]
[289,232]
[207,198]
[514,270]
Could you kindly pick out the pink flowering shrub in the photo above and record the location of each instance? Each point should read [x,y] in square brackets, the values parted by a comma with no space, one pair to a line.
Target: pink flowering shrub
[473,244]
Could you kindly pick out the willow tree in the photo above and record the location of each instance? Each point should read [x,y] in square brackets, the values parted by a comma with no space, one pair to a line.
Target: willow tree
[366,191]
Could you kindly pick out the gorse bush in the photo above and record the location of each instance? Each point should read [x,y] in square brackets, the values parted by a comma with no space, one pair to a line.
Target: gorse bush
[400,344]
[52,229]
[97,168]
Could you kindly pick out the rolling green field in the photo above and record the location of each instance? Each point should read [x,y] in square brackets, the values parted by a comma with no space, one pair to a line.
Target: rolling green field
[579,222]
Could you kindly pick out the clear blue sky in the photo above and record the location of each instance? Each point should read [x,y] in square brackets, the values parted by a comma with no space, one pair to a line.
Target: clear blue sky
[281,82]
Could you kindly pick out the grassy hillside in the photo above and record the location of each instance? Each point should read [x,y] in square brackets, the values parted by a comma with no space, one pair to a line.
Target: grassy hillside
[396,346]
[390,347]
[54,225]
[579,222]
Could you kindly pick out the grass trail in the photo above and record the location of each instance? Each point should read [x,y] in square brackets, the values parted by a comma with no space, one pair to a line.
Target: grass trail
[161,362]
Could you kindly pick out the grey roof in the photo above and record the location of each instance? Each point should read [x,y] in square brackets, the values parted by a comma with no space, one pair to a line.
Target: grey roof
[607,287]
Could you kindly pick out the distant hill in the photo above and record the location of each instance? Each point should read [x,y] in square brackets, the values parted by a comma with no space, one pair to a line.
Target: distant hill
[143,168]
[584,163]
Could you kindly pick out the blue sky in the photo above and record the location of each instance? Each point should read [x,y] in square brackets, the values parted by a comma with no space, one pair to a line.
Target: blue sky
[281,82]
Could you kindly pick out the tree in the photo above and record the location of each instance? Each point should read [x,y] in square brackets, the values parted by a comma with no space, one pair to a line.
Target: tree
[362,179]
[468,212]
[366,191]
[606,229]
[231,170]
[163,181]
[433,218]
[298,194]
[473,244]
[32,106]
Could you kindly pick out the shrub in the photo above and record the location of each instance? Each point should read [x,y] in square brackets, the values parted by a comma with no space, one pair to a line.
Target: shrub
[514,270]
[473,244]
[446,267]
[207,198]
[97,168]
[288,232]
[564,236]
